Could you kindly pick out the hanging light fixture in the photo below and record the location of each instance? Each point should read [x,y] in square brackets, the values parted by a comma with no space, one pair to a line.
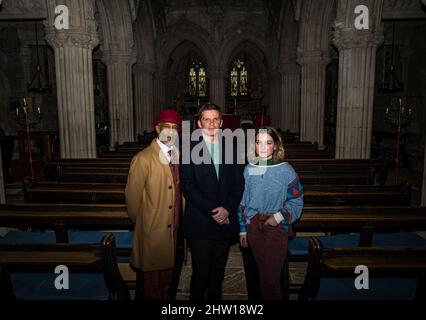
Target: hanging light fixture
[390,82]
[39,82]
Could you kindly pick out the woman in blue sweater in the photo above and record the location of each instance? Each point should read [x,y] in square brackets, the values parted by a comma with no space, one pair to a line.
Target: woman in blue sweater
[272,201]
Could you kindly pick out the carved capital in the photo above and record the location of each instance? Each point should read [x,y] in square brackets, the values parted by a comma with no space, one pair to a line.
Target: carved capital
[68,38]
[348,38]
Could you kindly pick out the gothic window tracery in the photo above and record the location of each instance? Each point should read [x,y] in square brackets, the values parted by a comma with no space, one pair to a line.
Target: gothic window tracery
[197,79]
[239,78]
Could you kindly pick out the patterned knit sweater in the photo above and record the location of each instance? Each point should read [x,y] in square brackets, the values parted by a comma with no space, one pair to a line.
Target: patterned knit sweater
[270,189]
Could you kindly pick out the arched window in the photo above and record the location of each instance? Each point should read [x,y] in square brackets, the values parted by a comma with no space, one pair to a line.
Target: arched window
[197,78]
[239,78]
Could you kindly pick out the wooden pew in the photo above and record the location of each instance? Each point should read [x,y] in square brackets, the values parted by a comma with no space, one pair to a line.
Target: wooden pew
[119,175]
[44,258]
[361,225]
[53,168]
[357,195]
[293,150]
[340,263]
[70,217]
[67,192]
[61,218]
[314,171]
[353,218]
[290,154]
[67,221]
[367,221]
[334,219]
[145,138]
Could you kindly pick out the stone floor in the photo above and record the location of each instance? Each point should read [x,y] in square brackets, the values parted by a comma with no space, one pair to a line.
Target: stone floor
[234,286]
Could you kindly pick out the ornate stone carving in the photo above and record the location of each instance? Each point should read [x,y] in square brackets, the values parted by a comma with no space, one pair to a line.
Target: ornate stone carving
[347,38]
[68,38]
[35,9]
[403,9]
[83,28]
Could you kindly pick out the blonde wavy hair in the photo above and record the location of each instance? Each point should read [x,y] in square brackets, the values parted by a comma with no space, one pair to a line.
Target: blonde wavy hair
[279,152]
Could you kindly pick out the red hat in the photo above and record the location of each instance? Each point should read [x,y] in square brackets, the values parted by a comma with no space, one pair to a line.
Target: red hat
[168,115]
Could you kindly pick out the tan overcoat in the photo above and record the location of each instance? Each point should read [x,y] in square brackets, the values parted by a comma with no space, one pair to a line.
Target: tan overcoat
[150,202]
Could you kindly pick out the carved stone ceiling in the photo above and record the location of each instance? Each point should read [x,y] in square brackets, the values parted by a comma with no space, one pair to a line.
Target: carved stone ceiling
[403,9]
[23,9]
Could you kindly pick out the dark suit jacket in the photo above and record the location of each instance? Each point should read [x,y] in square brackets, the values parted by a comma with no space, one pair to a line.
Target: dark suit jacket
[203,192]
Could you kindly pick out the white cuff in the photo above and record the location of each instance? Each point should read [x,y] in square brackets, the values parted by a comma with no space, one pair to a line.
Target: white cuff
[278,217]
[243,233]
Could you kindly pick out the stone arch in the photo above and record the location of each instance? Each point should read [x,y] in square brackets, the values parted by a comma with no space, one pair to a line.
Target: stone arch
[254,55]
[289,35]
[234,39]
[117,47]
[256,59]
[176,68]
[313,57]
[288,110]
[315,25]
[144,37]
[184,31]
[116,22]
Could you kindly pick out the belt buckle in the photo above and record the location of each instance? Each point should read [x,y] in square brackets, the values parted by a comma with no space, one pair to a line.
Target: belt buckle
[262,217]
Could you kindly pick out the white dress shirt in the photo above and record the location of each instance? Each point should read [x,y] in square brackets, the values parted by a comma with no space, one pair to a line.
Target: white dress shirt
[165,149]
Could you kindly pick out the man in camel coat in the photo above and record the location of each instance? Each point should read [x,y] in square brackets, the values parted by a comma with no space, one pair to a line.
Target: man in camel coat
[153,198]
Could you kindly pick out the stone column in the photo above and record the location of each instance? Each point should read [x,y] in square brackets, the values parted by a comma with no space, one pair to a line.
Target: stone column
[74,77]
[26,55]
[2,187]
[357,65]
[120,96]
[217,87]
[159,92]
[290,91]
[423,200]
[275,104]
[313,64]
[144,102]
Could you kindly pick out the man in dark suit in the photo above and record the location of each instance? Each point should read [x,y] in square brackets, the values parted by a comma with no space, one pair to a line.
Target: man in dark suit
[213,190]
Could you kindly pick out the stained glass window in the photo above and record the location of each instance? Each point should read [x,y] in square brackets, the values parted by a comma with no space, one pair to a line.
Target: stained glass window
[197,79]
[239,78]
[202,82]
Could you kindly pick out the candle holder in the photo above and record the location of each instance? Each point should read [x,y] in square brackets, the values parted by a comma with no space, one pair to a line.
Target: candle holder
[28,116]
[399,118]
